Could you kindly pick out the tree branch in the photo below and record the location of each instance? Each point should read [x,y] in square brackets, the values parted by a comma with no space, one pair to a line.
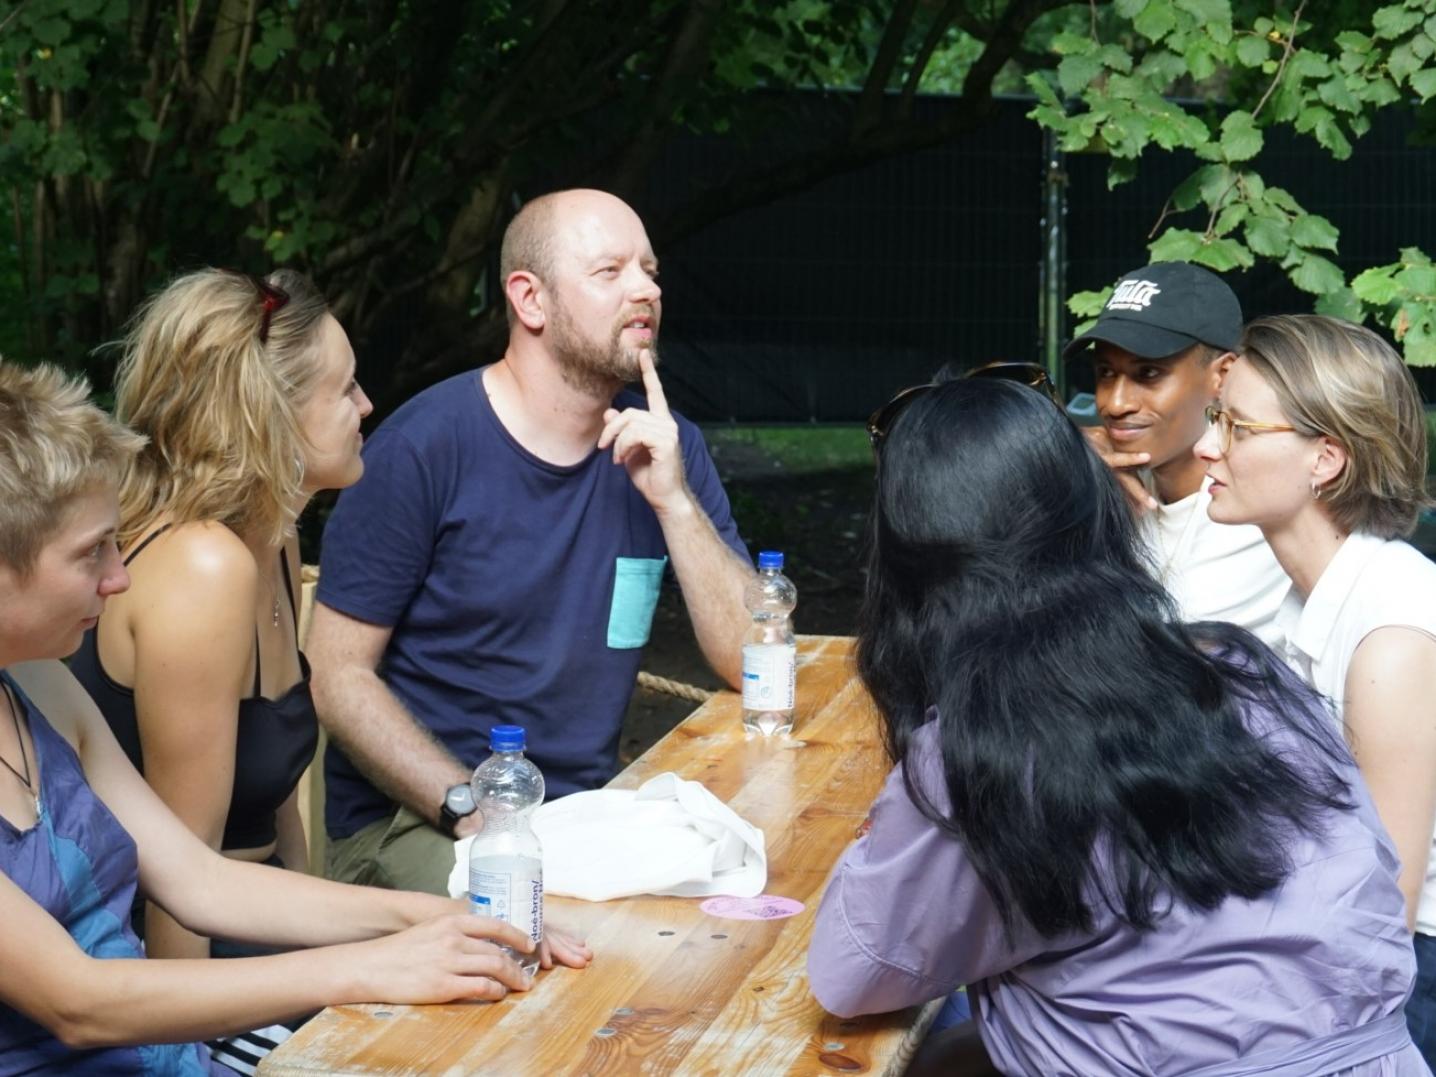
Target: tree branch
[941,23]
[236,102]
[870,104]
[1281,64]
[687,58]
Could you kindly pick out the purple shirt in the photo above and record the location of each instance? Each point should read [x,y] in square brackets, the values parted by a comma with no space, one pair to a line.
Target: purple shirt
[1308,979]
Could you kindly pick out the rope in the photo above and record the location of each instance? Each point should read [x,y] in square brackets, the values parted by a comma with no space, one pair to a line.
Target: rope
[689,692]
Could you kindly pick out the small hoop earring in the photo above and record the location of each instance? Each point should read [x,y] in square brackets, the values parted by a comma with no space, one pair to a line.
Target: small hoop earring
[1315,490]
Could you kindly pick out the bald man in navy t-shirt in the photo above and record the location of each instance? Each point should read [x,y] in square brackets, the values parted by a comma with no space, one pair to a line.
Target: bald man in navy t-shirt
[500,560]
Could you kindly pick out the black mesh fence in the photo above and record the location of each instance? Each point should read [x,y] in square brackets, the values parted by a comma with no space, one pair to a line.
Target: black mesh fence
[815,308]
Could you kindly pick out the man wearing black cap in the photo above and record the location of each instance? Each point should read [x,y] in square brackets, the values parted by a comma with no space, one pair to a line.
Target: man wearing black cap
[1159,349]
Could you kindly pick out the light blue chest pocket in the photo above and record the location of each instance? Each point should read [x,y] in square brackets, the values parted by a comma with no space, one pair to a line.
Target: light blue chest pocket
[635,596]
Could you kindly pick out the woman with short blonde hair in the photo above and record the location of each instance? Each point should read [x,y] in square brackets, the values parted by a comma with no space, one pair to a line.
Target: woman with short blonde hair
[1319,439]
[79,830]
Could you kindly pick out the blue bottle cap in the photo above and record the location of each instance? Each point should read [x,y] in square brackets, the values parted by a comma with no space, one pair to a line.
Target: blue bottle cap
[506,738]
[770,559]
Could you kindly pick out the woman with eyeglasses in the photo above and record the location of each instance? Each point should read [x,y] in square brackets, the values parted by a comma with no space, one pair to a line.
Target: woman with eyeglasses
[1139,843]
[80,830]
[1320,440]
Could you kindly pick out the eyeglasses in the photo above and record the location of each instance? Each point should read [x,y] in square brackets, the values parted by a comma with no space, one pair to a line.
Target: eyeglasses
[1225,424]
[1029,374]
[271,299]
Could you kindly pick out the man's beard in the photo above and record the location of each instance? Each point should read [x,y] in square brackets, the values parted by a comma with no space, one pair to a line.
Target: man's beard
[592,366]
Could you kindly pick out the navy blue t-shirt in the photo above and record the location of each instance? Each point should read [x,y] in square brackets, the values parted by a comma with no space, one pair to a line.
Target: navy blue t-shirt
[518,591]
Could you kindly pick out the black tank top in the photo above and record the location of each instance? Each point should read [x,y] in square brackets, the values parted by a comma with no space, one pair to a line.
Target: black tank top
[275,738]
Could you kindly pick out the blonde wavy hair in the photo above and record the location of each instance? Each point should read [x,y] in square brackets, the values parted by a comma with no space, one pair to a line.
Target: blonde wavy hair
[1342,381]
[218,404]
[55,445]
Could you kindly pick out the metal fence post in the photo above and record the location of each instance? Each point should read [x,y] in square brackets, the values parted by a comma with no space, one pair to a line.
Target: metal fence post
[1051,314]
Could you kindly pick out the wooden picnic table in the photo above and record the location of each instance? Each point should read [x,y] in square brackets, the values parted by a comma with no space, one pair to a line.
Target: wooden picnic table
[672,989]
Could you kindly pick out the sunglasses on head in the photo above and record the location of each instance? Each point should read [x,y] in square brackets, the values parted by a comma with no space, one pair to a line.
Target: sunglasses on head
[1029,374]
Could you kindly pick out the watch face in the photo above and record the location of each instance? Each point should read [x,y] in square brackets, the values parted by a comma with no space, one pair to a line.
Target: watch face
[459,799]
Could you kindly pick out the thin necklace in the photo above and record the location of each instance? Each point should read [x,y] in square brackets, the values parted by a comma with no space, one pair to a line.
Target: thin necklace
[24,759]
[1183,538]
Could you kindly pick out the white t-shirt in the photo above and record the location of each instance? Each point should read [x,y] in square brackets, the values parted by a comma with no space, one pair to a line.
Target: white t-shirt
[1371,583]
[1216,572]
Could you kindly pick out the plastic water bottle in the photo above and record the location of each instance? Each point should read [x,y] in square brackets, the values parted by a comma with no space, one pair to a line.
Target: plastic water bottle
[770,653]
[505,859]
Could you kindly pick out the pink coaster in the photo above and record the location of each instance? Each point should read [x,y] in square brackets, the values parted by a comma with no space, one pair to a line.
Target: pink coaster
[762,907]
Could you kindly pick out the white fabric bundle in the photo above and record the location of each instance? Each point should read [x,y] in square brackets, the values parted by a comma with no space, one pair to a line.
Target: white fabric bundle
[669,837]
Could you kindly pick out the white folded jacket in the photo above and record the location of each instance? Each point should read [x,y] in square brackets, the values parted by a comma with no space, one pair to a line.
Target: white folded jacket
[670,836]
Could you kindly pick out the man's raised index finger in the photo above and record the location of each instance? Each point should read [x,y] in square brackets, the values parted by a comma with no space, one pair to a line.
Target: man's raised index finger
[657,402]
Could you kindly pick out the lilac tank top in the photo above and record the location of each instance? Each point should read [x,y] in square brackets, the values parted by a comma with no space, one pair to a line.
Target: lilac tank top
[81,867]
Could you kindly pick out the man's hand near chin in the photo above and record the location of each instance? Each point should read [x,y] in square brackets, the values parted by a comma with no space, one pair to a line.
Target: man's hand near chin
[1124,465]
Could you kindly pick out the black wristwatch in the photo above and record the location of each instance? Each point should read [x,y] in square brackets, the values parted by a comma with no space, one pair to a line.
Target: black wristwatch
[458,802]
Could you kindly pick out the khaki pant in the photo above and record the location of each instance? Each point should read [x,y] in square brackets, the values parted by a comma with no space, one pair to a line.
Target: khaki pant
[401,852]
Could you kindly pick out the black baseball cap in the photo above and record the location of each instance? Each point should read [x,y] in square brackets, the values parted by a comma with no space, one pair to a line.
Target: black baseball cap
[1162,309]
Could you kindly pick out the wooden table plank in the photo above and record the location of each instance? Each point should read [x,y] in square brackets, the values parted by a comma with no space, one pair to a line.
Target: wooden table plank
[673,990]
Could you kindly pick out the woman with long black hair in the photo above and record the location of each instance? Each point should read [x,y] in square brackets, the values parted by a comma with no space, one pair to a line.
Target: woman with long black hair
[1139,843]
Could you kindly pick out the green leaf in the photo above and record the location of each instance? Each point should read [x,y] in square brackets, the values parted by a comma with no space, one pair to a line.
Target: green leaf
[1199,59]
[1230,217]
[1307,64]
[1067,43]
[1314,231]
[1156,21]
[1175,245]
[1268,236]
[51,31]
[1330,135]
[1161,67]
[1341,303]
[1377,285]
[1115,57]
[148,130]
[1189,191]
[1403,62]
[1214,15]
[1335,93]
[1075,73]
[1353,41]
[1253,50]
[1222,255]
[1042,89]
[1419,280]
[1419,349]
[1241,140]
[1089,304]
[1423,83]
[1317,275]
[1392,22]
[1380,92]
[1121,170]
[1217,182]
[1128,9]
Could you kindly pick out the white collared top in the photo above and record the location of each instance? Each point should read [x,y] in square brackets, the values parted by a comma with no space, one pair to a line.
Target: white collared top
[1370,583]
[1216,572]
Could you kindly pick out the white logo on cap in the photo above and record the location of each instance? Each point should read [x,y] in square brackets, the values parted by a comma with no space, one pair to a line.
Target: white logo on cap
[1133,295]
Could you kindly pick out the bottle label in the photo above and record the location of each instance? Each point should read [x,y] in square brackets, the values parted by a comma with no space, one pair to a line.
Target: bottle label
[511,892]
[769,676]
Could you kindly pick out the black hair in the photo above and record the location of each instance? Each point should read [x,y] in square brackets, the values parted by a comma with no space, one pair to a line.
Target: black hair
[1078,719]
